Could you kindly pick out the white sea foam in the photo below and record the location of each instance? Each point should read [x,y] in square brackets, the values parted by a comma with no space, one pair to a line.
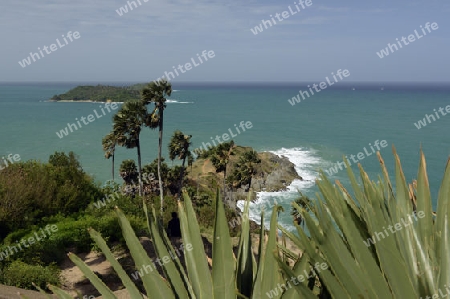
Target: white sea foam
[306,162]
[177,102]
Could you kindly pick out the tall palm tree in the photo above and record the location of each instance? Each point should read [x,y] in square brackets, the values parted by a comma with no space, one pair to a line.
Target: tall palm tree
[109,146]
[179,147]
[127,128]
[155,92]
[220,159]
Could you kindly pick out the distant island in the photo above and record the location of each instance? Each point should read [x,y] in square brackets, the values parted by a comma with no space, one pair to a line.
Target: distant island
[101,93]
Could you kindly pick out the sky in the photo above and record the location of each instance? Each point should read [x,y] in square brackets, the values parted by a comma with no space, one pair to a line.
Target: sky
[144,43]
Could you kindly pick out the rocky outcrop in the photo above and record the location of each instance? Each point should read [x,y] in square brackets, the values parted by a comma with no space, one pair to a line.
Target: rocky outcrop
[280,175]
[273,174]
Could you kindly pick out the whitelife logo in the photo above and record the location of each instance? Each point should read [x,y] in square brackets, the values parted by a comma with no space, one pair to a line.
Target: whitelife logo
[284,15]
[90,118]
[11,158]
[225,137]
[124,9]
[423,123]
[411,38]
[360,155]
[322,85]
[53,47]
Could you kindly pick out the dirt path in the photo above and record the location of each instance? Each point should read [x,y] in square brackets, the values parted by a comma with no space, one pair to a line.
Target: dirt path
[207,167]
[7,292]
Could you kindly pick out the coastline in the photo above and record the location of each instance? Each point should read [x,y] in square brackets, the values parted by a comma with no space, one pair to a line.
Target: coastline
[82,101]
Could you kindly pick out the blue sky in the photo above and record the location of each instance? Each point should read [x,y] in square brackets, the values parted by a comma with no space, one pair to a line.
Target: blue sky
[147,41]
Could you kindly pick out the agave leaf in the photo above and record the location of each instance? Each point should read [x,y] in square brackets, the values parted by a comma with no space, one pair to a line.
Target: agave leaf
[444,273]
[196,262]
[261,237]
[98,284]
[424,238]
[442,229]
[301,288]
[300,267]
[351,227]
[392,262]
[244,269]
[443,208]
[268,276]
[223,274]
[425,225]
[129,285]
[287,253]
[334,285]
[426,285]
[154,285]
[171,270]
[404,208]
[41,290]
[336,253]
[60,293]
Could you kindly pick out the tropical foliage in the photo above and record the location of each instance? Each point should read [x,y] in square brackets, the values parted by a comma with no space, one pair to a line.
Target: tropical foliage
[221,157]
[109,147]
[128,123]
[32,190]
[244,170]
[412,262]
[156,93]
[179,148]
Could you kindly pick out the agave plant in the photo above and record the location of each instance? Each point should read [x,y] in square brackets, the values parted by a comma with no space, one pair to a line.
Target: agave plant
[230,276]
[411,261]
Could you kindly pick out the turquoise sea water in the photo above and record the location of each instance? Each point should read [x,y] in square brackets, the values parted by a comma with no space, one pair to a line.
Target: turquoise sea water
[313,134]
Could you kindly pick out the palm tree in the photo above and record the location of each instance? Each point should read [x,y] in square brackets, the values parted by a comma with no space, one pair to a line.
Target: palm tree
[127,126]
[179,147]
[109,146]
[220,159]
[155,92]
[245,169]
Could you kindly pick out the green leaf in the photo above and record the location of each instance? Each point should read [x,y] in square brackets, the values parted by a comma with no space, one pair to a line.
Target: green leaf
[268,276]
[96,282]
[129,285]
[60,293]
[223,274]
[244,269]
[172,269]
[154,285]
[196,262]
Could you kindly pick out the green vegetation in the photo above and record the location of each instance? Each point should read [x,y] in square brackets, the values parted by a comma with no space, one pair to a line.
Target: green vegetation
[335,231]
[244,170]
[179,148]
[413,262]
[156,92]
[22,275]
[32,190]
[127,126]
[101,93]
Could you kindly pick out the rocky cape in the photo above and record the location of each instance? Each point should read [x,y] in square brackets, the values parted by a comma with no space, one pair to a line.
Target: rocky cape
[273,174]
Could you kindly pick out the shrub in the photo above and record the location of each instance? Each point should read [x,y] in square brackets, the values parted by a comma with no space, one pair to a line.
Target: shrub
[72,235]
[32,190]
[22,275]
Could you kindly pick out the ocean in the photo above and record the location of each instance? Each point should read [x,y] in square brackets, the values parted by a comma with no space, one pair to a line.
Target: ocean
[344,119]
